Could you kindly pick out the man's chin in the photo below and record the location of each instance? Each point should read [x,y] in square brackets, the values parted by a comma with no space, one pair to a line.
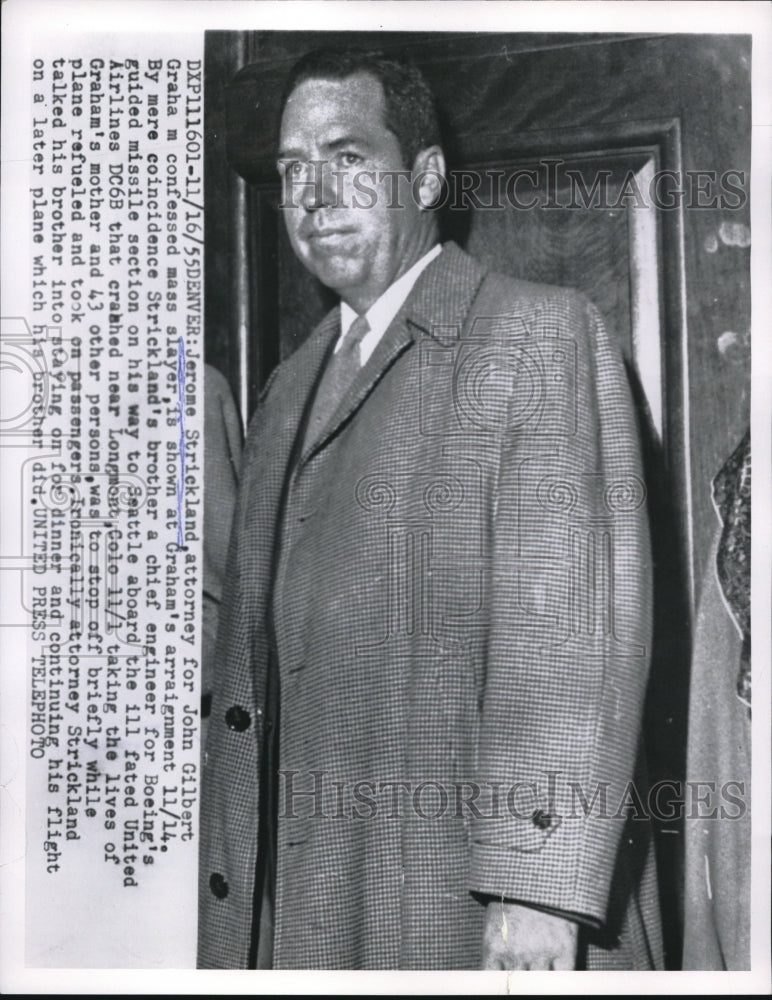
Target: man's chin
[335,271]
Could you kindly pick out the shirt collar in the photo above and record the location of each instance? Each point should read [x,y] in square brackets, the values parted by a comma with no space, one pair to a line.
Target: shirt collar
[383,310]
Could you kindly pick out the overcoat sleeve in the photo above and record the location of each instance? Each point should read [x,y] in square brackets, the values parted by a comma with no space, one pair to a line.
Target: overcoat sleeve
[570,624]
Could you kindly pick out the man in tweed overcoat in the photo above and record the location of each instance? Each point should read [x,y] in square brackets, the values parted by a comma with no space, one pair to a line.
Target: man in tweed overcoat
[435,629]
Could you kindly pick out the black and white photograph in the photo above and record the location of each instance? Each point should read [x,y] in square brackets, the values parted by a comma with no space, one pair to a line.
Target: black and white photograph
[378,391]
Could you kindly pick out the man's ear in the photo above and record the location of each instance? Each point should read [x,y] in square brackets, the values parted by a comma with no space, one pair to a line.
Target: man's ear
[428,176]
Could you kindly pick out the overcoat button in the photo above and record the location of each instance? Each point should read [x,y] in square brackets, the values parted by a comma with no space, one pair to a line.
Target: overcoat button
[218,885]
[541,819]
[237,719]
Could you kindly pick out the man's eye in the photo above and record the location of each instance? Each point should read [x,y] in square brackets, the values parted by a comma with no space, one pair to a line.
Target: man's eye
[290,168]
[349,159]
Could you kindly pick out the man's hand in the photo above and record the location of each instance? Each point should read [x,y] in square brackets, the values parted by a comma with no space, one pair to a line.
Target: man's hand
[518,937]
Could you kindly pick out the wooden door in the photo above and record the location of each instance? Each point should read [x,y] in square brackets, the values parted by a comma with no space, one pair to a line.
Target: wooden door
[668,267]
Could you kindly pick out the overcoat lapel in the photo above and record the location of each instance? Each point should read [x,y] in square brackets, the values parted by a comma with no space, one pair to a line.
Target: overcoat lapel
[305,370]
[394,341]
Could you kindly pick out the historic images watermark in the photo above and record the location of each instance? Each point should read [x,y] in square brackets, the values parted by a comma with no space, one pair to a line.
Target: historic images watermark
[320,794]
[543,186]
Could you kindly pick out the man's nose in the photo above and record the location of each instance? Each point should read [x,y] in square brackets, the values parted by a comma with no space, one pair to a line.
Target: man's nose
[319,189]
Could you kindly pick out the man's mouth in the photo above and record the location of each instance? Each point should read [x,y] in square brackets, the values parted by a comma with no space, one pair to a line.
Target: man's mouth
[328,236]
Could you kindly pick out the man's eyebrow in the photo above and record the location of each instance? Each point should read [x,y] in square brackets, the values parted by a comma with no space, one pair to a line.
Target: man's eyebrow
[340,142]
[346,140]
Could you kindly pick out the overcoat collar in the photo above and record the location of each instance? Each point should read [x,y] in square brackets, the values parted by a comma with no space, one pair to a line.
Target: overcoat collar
[437,306]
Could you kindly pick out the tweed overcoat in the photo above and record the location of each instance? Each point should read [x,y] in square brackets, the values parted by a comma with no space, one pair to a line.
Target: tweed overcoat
[456,574]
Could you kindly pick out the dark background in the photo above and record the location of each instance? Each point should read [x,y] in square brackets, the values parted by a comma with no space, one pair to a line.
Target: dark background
[597,102]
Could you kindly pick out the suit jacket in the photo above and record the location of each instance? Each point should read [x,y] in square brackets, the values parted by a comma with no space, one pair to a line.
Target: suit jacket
[454,580]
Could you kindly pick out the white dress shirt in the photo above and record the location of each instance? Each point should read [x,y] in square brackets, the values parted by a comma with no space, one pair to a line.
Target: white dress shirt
[384,309]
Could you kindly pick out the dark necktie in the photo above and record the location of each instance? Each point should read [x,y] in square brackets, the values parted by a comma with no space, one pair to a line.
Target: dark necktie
[340,372]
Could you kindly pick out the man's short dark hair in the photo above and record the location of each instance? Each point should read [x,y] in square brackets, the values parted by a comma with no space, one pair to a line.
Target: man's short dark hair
[410,109]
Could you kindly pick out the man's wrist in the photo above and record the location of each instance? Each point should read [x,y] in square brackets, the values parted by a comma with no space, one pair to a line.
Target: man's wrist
[577,918]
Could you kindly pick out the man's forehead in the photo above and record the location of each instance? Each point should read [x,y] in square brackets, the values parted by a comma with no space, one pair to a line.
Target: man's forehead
[322,104]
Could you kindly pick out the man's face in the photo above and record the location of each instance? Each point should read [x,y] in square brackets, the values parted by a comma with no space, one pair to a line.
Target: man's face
[343,215]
